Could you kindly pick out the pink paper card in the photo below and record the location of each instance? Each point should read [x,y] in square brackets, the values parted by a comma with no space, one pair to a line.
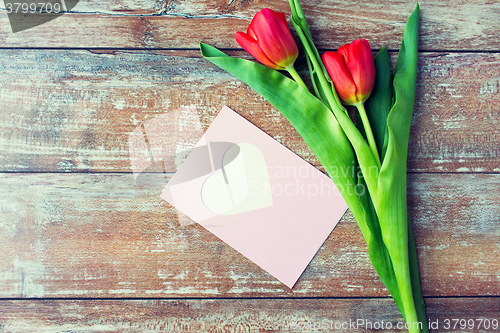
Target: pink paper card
[257,196]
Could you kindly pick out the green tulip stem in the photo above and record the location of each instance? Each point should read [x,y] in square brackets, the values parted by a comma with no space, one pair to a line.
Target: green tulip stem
[368,131]
[291,70]
[330,98]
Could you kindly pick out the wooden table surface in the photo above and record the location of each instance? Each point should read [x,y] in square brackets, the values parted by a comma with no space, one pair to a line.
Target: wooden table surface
[83,248]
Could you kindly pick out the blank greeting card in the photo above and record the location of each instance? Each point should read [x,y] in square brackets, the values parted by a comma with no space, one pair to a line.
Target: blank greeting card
[257,196]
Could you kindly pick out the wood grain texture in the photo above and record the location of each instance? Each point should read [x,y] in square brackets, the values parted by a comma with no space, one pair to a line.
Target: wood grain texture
[85,248]
[73,110]
[235,316]
[445,25]
[102,235]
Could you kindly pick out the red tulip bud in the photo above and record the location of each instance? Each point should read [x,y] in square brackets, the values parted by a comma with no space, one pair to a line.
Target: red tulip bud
[269,40]
[352,71]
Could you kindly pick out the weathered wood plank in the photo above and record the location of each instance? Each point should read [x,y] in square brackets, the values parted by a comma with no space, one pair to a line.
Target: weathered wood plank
[65,110]
[445,25]
[102,235]
[250,315]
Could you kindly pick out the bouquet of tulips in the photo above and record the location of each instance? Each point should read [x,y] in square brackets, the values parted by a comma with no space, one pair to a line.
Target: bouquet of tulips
[377,144]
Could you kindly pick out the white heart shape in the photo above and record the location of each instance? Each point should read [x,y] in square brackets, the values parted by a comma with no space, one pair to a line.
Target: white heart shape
[242,186]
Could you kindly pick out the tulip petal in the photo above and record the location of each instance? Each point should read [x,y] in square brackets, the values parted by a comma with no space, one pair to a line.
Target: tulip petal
[251,33]
[359,62]
[250,45]
[342,79]
[274,37]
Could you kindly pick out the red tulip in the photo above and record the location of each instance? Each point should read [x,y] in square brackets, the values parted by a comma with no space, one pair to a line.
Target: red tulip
[352,71]
[269,40]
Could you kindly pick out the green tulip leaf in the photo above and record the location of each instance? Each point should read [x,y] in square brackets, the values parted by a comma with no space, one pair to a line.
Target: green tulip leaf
[380,102]
[415,280]
[391,194]
[379,256]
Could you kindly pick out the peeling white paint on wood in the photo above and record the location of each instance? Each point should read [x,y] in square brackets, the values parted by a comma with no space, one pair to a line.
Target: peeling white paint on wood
[85,126]
[232,316]
[472,25]
[99,234]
